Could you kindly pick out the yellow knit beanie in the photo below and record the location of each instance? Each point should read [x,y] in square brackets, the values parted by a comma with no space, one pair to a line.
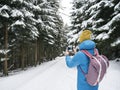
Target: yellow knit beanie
[85,35]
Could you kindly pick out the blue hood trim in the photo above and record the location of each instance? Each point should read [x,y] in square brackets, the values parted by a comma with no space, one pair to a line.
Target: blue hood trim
[87,44]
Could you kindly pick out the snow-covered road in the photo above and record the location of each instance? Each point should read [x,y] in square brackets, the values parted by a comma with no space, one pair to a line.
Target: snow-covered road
[55,75]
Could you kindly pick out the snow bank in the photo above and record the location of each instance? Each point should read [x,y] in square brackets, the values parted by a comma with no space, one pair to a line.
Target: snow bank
[55,75]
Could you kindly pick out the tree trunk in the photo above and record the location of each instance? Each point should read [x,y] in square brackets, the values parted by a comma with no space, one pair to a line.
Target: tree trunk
[22,58]
[5,71]
[36,53]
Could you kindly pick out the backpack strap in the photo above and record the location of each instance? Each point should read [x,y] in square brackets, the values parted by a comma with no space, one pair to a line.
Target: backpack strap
[96,53]
[87,53]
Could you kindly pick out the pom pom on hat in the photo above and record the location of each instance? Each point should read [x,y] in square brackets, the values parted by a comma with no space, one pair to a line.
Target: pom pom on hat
[85,35]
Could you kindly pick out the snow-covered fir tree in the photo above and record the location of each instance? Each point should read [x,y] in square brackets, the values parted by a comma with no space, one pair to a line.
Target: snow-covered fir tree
[34,28]
[5,23]
[101,16]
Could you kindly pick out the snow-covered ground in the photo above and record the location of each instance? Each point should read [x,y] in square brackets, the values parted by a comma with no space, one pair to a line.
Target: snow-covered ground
[55,75]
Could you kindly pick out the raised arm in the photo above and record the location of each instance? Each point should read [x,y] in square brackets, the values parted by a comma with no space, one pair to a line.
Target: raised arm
[76,60]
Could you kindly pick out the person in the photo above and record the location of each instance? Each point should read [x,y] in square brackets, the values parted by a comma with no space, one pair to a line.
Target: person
[81,60]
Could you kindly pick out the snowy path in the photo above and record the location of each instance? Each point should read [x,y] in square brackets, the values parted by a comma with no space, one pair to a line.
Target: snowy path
[55,75]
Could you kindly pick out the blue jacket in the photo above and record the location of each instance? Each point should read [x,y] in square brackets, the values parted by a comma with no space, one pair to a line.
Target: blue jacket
[80,59]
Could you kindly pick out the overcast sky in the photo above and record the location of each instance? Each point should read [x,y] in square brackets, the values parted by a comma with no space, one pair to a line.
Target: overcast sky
[65,10]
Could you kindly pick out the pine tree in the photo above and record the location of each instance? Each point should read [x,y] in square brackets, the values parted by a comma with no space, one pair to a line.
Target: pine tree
[52,23]
[24,27]
[102,17]
[5,23]
[34,31]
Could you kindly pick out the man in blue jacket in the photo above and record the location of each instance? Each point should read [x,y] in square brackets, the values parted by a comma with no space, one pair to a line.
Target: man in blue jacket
[81,60]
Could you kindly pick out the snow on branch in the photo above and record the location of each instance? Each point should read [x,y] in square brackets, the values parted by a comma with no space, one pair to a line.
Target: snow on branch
[117,7]
[3,51]
[116,42]
[109,24]
[16,13]
[3,11]
[102,36]
[18,22]
[18,0]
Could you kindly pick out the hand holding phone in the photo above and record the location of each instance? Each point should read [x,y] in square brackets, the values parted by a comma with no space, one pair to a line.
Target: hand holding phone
[69,50]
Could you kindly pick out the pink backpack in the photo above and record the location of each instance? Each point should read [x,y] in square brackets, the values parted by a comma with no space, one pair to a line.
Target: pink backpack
[97,67]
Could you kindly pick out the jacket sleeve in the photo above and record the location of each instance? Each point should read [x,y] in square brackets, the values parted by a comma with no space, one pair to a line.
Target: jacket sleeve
[76,60]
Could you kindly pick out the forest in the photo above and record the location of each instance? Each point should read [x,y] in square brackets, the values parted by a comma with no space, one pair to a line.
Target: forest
[33,32]
[30,33]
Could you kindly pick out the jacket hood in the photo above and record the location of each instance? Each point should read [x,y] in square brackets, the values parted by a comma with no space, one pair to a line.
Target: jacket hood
[87,44]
